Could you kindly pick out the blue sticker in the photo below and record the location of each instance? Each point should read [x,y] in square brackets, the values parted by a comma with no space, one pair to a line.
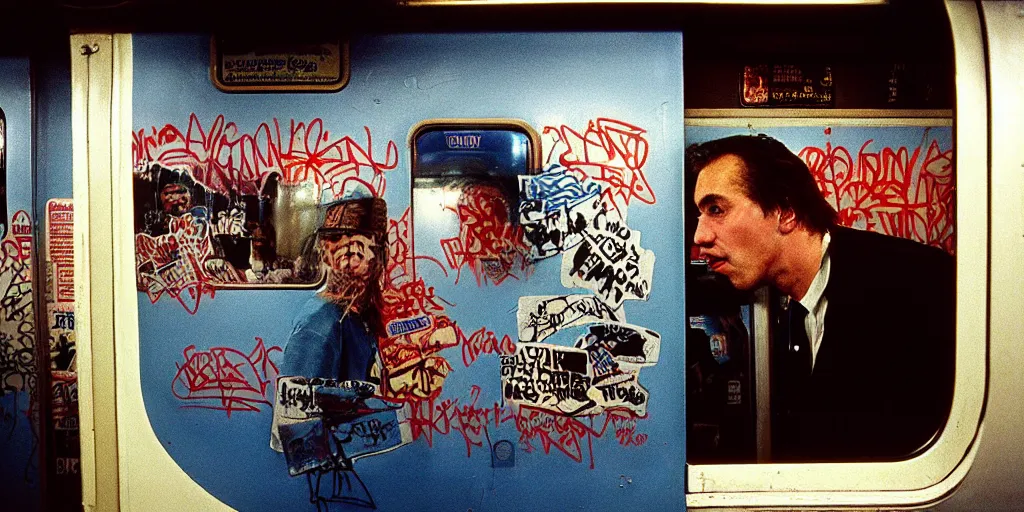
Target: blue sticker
[503,454]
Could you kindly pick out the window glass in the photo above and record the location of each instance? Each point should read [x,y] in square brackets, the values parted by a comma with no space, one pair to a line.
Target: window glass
[472,171]
[859,342]
[252,234]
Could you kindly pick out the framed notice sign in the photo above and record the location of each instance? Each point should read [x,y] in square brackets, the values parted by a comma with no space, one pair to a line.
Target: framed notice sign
[243,65]
[786,85]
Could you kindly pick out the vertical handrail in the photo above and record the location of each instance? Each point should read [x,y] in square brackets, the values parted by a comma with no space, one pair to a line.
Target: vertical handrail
[761,341]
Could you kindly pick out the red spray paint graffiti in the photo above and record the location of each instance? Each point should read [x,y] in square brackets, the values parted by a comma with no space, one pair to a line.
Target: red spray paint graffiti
[18,246]
[227,161]
[409,299]
[400,258]
[226,379]
[539,431]
[488,243]
[485,342]
[608,151]
[562,433]
[447,416]
[415,369]
[417,332]
[625,432]
[181,263]
[897,191]
[405,295]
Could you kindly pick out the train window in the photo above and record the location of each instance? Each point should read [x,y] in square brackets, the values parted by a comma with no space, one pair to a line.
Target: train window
[888,413]
[900,186]
[254,230]
[253,235]
[466,180]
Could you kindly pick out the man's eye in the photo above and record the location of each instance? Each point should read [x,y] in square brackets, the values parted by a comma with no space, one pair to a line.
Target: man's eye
[715,210]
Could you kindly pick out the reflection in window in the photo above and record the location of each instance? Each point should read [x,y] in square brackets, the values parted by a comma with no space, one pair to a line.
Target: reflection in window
[466,193]
[188,233]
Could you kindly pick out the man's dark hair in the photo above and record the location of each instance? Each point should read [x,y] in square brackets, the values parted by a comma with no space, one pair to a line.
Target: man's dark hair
[774,176]
[166,176]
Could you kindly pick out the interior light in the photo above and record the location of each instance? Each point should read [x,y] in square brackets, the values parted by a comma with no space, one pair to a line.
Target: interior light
[730,2]
[432,206]
[450,199]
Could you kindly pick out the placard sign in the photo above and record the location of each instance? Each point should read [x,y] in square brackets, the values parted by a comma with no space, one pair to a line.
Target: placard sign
[786,85]
[243,65]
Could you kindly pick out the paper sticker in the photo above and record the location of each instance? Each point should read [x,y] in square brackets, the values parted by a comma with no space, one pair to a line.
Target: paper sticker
[610,262]
[541,316]
[601,371]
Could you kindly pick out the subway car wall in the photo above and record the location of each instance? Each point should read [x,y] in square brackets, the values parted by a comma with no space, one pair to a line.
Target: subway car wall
[520,353]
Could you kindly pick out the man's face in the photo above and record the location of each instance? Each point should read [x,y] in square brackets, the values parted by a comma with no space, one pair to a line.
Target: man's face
[739,240]
[175,199]
[350,254]
[259,239]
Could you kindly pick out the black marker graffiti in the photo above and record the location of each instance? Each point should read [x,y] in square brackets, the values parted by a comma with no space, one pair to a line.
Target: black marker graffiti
[547,376]
[540,317]
[610,261]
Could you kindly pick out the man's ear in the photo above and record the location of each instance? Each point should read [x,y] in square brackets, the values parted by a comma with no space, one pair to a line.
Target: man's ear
[787,220]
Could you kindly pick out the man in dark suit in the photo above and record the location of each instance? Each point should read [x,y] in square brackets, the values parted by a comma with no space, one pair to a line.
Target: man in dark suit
[863,352]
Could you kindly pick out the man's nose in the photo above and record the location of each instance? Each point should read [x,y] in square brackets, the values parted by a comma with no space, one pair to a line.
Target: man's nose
[703,236]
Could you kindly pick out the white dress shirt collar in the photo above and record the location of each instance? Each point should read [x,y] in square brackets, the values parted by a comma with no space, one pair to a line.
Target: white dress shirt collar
[815,301]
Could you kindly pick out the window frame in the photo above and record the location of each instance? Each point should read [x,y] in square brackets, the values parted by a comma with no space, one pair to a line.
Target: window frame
[468,123]
[935,472]
[4,223]
[533,157]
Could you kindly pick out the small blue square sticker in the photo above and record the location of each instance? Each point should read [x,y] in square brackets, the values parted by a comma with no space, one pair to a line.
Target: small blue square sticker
[503,454]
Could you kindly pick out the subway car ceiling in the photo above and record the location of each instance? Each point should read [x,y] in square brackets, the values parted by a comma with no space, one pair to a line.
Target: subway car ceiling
[848,30]
[860,42]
